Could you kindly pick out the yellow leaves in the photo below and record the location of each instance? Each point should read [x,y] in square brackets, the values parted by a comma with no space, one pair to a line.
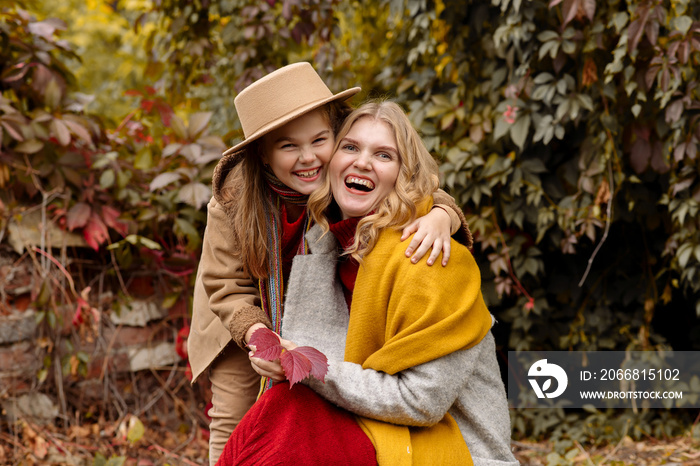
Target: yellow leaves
[112,53]
[131,429]
[603,195]
[134,5]
[444,61]
[667,295]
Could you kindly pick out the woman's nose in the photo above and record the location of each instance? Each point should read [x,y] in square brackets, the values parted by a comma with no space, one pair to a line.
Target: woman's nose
[362,161]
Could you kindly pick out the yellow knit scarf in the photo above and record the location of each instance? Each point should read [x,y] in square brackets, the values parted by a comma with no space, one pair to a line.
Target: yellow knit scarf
[403,315]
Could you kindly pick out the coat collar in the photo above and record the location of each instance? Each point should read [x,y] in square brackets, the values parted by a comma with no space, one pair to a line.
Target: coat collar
[221,171]
[320,242]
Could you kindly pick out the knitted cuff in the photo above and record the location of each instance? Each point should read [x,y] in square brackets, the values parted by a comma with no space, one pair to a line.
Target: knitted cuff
[245,318]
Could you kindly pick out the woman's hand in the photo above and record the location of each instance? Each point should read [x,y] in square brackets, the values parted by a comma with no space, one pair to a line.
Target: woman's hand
[271,369]
[431,231]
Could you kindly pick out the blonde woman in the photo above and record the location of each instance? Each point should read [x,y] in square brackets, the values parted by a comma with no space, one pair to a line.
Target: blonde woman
[412,359]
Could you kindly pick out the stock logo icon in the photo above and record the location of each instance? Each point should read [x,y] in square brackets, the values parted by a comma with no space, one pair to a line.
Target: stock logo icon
[544,369]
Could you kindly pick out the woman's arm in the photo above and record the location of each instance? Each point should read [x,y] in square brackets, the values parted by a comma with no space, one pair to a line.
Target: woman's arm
[419,396]
[233,294]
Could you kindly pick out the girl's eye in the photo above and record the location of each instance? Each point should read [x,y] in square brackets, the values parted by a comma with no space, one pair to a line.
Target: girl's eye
[288,146]
[320,140]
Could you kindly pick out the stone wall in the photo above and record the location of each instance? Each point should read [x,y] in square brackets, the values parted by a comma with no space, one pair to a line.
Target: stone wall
[140,336]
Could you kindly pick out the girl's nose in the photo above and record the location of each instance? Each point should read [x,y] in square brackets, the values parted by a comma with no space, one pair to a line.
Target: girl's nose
[306,155]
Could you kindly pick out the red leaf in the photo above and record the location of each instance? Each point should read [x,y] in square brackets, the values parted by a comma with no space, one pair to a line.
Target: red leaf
[111,218]
[569,10]
[78,318]
[181,341]
[14,75]
[296,366]
[95,232]
[589,8]
[78,216]
[640,155]
[166,113]
[636,27]
[267,344]
[658,161]
[147,105]
[319,361]
[271,353]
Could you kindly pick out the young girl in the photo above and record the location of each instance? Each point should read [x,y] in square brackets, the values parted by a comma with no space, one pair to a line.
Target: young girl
[256,222]
[413,359]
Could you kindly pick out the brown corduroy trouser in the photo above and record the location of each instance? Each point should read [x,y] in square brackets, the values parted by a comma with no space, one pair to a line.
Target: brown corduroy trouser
[234,387]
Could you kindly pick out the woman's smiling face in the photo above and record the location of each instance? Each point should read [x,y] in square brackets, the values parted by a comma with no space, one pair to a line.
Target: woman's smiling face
[299,151]
[365,167]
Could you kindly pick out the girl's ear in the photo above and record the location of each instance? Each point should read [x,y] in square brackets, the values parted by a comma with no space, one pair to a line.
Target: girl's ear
[263,154]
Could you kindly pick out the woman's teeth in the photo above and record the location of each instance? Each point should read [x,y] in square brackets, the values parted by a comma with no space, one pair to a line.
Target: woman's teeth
[359,183]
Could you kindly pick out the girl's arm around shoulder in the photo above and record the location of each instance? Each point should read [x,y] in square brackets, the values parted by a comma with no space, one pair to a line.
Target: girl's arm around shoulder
[459,226]
[433,230]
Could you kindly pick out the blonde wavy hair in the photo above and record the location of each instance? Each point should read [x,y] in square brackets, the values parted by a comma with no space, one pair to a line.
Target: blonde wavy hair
[415,184]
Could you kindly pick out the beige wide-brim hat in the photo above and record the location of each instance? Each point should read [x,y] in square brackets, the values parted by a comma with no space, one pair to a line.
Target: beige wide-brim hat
[279,97]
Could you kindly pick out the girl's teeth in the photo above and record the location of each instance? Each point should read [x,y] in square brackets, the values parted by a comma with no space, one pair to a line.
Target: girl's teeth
[308,173]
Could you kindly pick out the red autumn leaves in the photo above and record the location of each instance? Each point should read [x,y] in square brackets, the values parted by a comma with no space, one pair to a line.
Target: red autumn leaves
[298,363]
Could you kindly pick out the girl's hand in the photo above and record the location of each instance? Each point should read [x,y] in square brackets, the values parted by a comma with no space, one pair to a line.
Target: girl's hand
[431,231]
[271,369]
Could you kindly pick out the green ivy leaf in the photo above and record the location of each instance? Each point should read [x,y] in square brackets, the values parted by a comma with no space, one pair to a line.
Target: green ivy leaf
[31,146]
[195,194]
[107,179]
[519,131]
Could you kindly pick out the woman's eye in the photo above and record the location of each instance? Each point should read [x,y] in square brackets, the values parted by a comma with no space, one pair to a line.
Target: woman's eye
[384,156]
[350,147]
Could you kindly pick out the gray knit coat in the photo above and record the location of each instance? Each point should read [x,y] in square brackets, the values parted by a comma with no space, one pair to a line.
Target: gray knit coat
[466,383]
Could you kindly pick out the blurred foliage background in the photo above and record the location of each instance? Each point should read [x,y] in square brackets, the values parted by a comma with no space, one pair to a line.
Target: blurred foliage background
[567,130]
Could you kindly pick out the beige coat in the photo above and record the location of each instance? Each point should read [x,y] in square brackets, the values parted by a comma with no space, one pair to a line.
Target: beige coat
[226,300]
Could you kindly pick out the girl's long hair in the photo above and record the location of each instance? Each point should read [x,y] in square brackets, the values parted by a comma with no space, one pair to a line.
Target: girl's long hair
[415,184]
[246,190]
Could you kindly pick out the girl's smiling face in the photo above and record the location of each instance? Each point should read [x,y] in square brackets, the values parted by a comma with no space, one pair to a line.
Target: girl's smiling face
[365,167]
[299,151]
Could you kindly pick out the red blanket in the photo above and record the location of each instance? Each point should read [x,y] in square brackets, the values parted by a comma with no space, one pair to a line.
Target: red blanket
[297,427]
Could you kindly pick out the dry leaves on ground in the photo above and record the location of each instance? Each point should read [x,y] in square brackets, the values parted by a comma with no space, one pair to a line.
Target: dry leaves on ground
[679,451]
[164,442]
